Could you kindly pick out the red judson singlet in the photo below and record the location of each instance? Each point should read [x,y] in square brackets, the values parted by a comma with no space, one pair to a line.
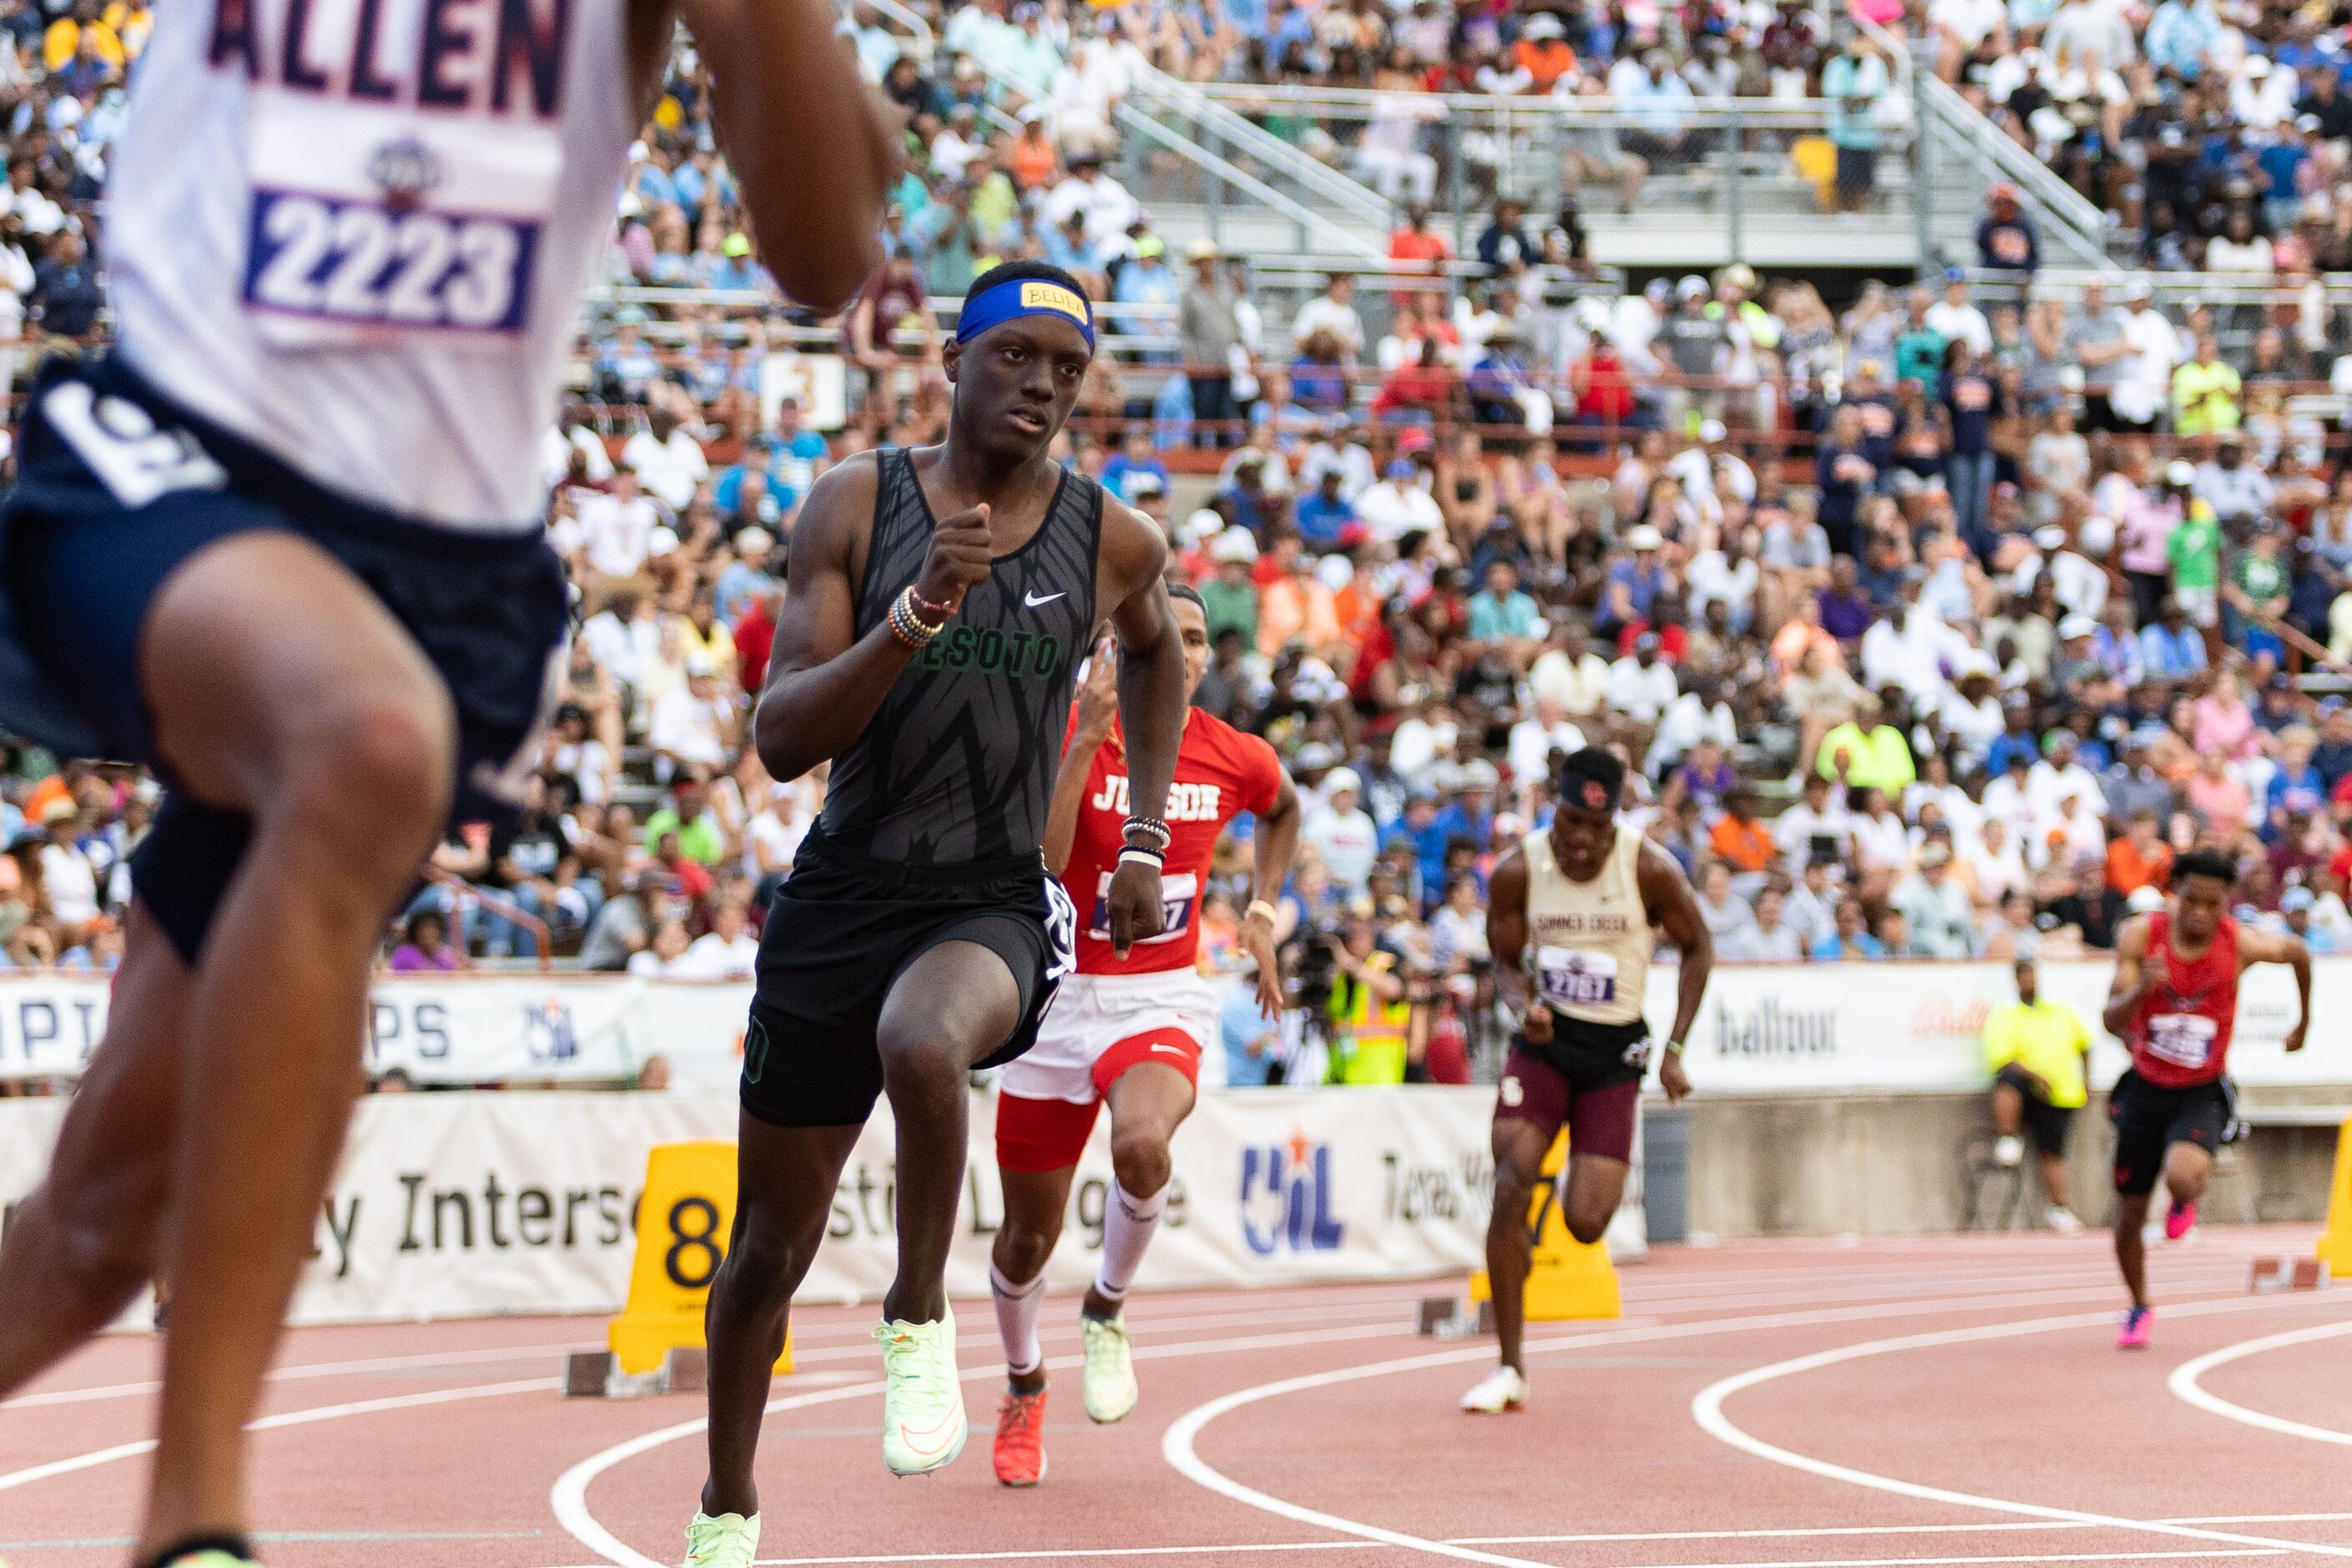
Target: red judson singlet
[1220,773]
[2179,1038]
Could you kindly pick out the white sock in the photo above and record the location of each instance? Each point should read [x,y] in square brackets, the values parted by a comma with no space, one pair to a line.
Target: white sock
[1127,1231]
[1017,1306]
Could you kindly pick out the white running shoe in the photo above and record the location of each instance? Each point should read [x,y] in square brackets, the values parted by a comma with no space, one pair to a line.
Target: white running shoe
[923,1425]
[1500,1390]
[1110,1385]
[2008,1150]
[726,1541]
[2063,1221]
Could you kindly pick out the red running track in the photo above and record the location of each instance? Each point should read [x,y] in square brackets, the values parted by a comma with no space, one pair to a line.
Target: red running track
[1767,1405]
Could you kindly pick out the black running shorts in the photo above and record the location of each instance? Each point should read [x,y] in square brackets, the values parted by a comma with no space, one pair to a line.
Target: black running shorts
[840,930]
[2149,1120]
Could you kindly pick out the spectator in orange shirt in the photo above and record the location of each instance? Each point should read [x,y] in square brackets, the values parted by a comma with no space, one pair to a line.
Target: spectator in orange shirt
[1421,248]
[1542,51]
[2140,859]
[1741,841]
[1034,161]
[1298,605]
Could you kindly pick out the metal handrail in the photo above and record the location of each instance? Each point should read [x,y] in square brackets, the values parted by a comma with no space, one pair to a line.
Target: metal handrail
[1702,113]
[1239,131]
[1350,241]
[2071,219]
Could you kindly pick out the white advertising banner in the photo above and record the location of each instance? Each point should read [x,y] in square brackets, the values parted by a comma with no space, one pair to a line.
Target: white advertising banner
[1765,1029]
[1820,1028]
[466,1204]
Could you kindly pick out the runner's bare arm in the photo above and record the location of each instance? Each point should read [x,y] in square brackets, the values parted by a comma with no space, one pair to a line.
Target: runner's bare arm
[1506,938]
[1097,706]
[814,148]
[824,682]
[1666,894]
[2279,947]
[1151,699]
[1276,840]
[2130,983]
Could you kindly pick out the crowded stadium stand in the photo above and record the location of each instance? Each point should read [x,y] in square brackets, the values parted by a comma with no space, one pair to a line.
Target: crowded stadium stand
[1915,438]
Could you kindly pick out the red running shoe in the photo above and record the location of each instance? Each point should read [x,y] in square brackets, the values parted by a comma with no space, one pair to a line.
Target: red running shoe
[1021,1439]
[2178,1220]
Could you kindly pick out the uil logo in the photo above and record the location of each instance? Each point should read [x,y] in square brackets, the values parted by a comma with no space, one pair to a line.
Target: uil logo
[1286,1197]
[548,1031]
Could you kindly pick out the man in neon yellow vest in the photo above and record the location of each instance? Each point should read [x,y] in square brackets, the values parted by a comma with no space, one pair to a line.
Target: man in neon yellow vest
[1369,1015]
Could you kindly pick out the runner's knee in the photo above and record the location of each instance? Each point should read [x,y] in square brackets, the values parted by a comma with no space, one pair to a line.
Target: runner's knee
[1021,1249]
[371,777]
[1139,1157]
[1587,1218]
[770,1253]
[107,1230]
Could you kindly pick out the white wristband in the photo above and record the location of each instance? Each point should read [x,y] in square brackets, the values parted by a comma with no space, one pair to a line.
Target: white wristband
[1142,857]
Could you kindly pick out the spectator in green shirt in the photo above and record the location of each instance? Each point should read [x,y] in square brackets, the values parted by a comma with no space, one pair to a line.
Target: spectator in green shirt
[1229,597]
[2195,550]
[1919,349]
[2259,588]
[688,814]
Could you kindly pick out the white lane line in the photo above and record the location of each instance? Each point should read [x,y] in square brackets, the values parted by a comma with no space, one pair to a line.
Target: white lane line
[2184,1383]
[2004,1527]
[304,1371]
[1707,1409]
[568,1499]
[1065,1554]
[1638,1311]
[1178,1444]
[98,1456]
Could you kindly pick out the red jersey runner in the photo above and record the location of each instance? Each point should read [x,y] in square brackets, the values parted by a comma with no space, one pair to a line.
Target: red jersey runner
[1221,773]
[2179,1038]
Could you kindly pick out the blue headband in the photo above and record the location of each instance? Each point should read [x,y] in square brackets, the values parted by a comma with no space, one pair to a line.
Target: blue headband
[1015,297]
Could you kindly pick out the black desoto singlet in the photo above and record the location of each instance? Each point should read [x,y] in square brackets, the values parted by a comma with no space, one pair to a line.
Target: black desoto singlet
[957,763]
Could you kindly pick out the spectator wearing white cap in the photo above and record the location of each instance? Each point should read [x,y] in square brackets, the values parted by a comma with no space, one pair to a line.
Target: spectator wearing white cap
[1936,910]
[2143,373]
[1641,684]
[1341,833]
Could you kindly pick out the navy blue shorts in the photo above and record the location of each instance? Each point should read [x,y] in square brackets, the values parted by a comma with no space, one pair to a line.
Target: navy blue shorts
[118,487]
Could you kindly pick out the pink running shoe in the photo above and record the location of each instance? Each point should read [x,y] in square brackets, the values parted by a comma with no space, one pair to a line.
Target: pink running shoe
[2178,1220]
[2137,1325]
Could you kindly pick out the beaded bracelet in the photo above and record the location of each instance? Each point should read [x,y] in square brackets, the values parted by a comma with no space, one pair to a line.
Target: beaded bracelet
[908,627]
[1150,828]
[940,613]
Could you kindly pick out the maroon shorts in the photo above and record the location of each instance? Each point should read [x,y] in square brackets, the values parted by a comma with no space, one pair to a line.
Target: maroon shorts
[1587,1078]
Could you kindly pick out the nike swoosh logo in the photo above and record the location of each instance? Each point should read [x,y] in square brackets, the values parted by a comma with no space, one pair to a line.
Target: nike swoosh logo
[1169,1049]
[1033,601]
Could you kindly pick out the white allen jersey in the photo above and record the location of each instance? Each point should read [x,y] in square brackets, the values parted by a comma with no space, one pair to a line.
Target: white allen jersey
[1589,943]
[355,232]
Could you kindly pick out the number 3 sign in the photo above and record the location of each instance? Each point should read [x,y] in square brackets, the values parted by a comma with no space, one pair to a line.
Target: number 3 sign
[683,1223]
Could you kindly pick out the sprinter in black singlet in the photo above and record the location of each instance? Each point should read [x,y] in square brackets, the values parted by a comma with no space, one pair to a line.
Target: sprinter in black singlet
[940,601]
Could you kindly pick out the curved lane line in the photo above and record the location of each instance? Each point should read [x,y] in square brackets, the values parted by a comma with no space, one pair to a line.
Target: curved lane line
[95,1458]
[2184,1383]
[1178,1444]
[1707,1409]
[568,1499]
